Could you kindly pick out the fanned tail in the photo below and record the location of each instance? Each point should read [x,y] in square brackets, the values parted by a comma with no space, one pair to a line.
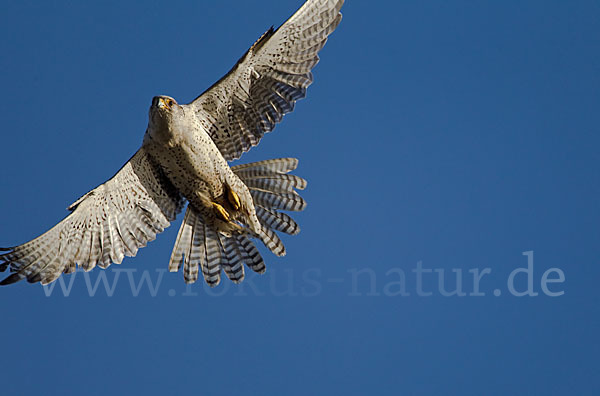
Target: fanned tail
[273,189]
[199,247]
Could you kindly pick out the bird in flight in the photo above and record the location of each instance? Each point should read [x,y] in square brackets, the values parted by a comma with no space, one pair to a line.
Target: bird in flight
[184,159]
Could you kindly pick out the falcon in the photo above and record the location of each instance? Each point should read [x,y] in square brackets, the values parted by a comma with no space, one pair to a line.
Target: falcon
[184,159]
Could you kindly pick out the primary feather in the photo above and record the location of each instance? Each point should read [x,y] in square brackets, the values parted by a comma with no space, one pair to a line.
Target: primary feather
[184,159]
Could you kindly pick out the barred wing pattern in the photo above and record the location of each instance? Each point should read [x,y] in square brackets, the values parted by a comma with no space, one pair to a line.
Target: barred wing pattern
[110,222]
[267,81]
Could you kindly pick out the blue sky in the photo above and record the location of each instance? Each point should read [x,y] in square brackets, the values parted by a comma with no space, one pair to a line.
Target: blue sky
[458,135]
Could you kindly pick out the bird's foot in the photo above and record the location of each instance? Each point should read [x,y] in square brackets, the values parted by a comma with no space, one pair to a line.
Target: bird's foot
[234,199]
[221,212]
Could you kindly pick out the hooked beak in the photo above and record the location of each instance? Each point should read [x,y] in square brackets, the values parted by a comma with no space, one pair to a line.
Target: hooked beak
[162,103]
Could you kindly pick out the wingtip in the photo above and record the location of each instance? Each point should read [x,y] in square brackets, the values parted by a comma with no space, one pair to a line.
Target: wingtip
[12,279]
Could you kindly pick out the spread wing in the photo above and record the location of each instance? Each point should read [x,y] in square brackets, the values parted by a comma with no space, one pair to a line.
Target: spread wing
[110,222]
[267,81]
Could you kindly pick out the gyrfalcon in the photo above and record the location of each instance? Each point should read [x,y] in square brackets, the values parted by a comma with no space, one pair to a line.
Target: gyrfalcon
[184,159]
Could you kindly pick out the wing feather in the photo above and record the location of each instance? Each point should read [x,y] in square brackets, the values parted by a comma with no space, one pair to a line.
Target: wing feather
[112,221]
[267,81]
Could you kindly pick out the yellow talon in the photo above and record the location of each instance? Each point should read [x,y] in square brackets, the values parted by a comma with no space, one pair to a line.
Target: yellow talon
[221,212]
[234,200]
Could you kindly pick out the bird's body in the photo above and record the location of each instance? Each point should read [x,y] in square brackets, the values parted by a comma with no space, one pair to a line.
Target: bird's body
[178,143]
[184,158]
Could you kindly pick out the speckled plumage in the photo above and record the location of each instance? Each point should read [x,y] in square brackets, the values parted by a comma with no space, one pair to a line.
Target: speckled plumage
[183,158]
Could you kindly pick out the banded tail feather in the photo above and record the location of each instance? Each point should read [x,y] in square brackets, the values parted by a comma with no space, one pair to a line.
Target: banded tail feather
[122,215]
[273,189]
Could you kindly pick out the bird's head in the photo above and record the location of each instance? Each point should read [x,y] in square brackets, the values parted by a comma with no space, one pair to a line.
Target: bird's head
[163,109]
[166,119]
